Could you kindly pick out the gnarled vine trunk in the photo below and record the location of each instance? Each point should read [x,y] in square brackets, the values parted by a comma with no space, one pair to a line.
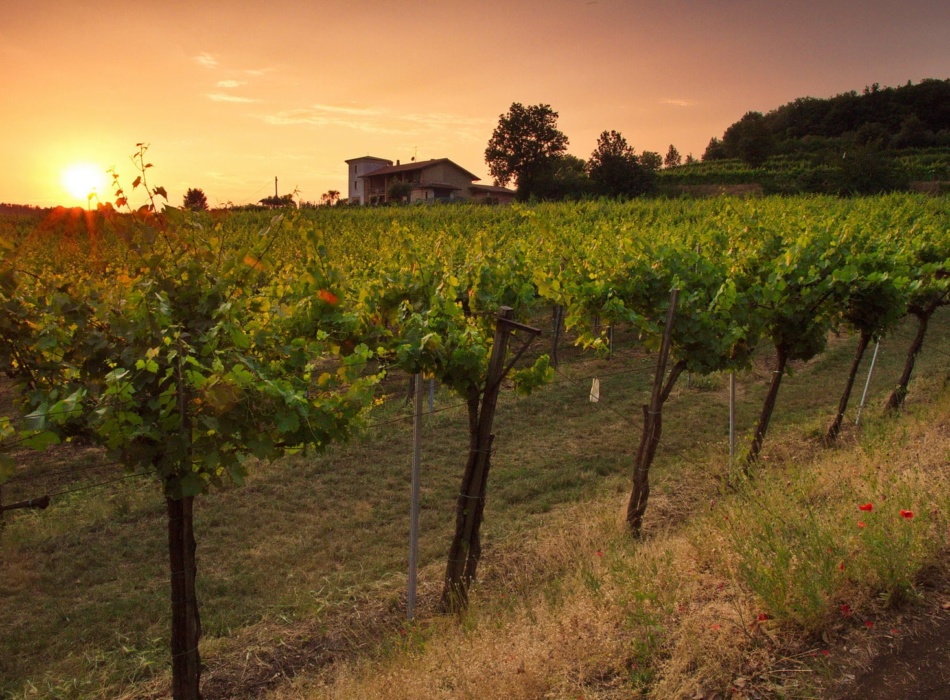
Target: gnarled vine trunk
[768,406]
[186,622]
[835,428]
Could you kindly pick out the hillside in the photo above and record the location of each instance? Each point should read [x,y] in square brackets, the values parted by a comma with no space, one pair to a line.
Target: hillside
[746,574]
[880,140]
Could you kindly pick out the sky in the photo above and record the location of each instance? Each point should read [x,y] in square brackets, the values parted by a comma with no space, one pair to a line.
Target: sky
[230,95]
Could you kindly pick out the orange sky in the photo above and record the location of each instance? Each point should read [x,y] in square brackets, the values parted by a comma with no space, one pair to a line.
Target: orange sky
[231,94]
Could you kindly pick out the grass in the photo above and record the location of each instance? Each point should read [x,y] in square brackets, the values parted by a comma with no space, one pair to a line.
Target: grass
[307,560]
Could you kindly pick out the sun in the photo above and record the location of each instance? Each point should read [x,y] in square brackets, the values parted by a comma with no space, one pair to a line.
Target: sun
[84,180]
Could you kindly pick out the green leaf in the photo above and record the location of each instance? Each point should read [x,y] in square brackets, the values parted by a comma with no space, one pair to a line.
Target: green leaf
[35,420]
[192,485]
[287,421]
[42,440]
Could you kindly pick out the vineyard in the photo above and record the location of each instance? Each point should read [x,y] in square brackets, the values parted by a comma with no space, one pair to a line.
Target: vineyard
[175,377]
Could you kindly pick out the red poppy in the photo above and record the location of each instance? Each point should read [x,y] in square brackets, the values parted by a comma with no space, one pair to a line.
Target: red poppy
[866,507]
[763,617]
[599,553]
[862,524]
[841,566]
[894,630]
[825,652]
[715,626]
[329,297]
[868,624]
[845,610]
[907,514]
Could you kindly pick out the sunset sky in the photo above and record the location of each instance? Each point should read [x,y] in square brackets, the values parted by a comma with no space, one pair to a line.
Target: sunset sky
[231,94]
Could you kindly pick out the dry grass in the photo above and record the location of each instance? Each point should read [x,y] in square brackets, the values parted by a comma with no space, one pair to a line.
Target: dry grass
[580,611]
[301,572]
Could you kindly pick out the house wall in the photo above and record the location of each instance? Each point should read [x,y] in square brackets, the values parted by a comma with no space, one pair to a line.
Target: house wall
[357,168]
[445,172]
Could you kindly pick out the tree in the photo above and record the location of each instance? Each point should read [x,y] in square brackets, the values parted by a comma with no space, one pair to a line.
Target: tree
[180,372]
[398,192]
[329,198]
[673,157]
[715,150]
[651,161]
[286,200]
[749,139]
[615,170]
[565,177]
[195,200]
[523,145]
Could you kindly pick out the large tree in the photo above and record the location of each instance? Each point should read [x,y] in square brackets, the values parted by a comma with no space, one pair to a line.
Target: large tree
[615,170]
[524,145]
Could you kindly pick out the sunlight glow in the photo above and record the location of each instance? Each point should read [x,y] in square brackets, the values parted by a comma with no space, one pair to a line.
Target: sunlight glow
[84,181]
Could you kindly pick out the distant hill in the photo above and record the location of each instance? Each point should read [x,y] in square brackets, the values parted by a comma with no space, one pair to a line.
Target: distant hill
[910,116]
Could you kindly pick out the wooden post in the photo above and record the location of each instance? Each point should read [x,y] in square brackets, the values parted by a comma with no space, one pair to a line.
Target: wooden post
[40,503]
[414,500]
[732,419]
[556,334]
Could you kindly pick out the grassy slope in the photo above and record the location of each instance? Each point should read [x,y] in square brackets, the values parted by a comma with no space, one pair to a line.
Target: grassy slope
[314,547]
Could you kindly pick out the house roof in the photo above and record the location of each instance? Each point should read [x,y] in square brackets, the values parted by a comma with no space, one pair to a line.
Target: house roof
[421,165]
[362,158]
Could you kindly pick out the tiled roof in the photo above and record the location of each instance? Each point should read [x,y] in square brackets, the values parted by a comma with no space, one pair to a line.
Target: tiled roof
[421,165]
[378,160]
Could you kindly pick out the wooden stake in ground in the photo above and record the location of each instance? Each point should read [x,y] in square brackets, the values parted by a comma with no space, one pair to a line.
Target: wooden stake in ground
[414,499]
[558,323]
[652,426]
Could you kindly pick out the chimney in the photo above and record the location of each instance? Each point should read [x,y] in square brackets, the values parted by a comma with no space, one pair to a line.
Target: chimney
[397,161]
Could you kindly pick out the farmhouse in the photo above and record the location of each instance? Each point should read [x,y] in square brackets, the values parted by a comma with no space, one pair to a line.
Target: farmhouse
[376,180]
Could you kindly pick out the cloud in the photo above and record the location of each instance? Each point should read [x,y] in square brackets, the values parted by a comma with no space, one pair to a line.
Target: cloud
[379,121]
[206,60]
[229,83]
[224,97]
[678,103]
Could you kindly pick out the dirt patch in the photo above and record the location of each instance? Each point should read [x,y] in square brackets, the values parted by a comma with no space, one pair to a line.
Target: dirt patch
[907,661]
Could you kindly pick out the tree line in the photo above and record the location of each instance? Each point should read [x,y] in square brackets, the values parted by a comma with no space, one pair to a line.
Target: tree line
[527,149]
